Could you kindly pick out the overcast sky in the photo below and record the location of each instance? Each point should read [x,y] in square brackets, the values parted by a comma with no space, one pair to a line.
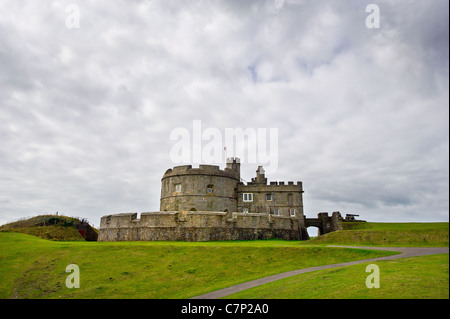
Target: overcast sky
[86,111]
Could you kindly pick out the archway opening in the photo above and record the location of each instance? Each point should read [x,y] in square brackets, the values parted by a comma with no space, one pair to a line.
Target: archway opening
[313,231]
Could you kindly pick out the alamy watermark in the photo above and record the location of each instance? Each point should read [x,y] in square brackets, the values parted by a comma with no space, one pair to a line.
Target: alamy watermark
[373,280]
[73,280]
[73,17]
[212,145]
[373,19]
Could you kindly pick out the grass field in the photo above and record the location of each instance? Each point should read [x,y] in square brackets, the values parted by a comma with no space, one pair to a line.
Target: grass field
[35,268]
[387,234]
[31,267]
[424,277]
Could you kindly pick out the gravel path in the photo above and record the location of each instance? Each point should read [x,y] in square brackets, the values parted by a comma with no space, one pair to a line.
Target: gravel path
[405,252]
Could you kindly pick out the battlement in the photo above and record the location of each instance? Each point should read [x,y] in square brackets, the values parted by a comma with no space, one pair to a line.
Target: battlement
[278,185]
[233,160]
[203,169]
[281,183]
[210,168]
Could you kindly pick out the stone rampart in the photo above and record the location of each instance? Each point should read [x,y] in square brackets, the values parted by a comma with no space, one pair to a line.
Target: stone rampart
[198,226]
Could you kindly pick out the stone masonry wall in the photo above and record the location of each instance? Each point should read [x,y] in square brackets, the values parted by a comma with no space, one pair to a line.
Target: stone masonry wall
[198,226]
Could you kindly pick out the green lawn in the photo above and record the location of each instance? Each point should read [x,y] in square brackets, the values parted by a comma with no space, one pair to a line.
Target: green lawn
[31,267]
[35,268]
[387,234]
[424,277]
[394,226]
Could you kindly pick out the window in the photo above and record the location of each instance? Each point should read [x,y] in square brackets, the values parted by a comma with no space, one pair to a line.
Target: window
[247,197]
[269,197]
[276,212]
[292,212]
[245,210]
[210,189]
[178,188]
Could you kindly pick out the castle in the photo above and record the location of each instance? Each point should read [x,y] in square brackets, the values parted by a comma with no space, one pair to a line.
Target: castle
[207,203]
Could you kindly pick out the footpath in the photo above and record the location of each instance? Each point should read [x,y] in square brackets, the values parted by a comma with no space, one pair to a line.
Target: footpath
[405,252]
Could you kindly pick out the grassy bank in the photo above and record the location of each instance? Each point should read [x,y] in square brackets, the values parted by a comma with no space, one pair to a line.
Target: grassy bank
[388,234]
[34,268]
[52,227]
[52,232]
[424,277]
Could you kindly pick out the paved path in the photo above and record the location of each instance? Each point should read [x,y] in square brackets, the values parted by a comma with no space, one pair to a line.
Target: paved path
[405,252]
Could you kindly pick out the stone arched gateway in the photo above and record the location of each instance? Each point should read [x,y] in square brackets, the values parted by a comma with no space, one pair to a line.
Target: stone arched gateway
[325,223]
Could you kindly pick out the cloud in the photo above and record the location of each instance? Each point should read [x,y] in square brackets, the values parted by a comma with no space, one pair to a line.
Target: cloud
[86,114]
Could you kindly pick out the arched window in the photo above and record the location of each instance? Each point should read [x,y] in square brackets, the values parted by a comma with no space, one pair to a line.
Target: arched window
[193,209]
[210,189]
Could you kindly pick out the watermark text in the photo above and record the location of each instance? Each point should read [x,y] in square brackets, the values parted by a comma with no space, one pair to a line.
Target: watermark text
[212,146]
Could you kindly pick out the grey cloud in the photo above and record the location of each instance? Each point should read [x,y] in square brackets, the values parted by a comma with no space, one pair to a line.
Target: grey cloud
[362,114]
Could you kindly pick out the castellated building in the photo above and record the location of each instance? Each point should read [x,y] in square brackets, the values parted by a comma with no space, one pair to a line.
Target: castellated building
[207,203]
[208,188]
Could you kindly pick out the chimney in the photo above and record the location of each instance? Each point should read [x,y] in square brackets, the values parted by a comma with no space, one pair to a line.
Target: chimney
[260,177]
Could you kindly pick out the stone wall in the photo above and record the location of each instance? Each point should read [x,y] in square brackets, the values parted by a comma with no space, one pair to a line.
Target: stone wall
[325,223]
[198,226]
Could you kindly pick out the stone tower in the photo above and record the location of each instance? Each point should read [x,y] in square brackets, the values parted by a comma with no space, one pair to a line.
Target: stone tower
[207,188]
[234,164]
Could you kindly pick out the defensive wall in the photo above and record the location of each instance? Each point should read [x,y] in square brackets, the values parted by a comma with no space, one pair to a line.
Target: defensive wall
[199,226]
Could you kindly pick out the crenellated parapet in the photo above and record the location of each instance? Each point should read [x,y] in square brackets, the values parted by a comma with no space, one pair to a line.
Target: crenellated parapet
[277,186]
[210,170]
